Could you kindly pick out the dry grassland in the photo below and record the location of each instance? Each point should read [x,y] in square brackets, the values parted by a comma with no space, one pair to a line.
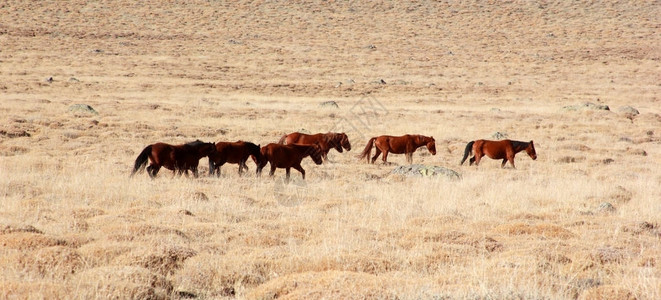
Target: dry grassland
[74,225]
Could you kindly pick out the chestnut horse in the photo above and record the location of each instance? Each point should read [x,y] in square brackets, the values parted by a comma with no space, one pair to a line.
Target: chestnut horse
[233,153]
[398,144]
[287,157]
[326,141]
[178,158]
[505,150]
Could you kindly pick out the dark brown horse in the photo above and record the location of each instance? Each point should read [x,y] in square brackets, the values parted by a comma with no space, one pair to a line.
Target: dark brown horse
[287,157]
[178,158]
[233,153]
[326,141]
[398,144]
[505,150]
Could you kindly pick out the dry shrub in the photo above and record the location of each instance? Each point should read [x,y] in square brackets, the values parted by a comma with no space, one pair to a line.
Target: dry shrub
[607,255]
[56,262]
[33,290]
[223,275]
[6,229]
[142,231]
[529,216]
[327,285]
[468,241]
[87,212]
[371,263]
[29,240]
[121,282]
[607,292]
[544,230]
[103,252]
[435,221]
[163,260]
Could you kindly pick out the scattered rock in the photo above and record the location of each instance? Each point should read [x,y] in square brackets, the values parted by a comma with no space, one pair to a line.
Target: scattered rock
[14,133]
[329,104]
[199,196]
[607,292]
[418,170]
[82,109]
[49,80]
[6,229]
[586,106]
[628,110]
[401,82]
[569,159]
[606,207]
[499,135]
[608,161]
[74,79]
[185,212]
[640,152]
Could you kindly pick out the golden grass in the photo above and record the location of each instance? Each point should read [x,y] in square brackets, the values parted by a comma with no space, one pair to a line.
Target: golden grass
[74,225]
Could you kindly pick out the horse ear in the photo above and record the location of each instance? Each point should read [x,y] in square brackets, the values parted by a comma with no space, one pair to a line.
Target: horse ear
[531,141]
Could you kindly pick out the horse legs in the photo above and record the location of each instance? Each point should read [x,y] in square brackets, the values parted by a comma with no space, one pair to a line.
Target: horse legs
[511,159]
[385,156]
[272,170]
[378,151]
[216,168]
[194,170]
[300,169]
[152,170]
[243,166]
[409,157]
[287,175]
[471,161]
[476,158]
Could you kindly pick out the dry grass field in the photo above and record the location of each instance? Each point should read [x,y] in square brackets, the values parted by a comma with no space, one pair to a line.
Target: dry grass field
[583,221]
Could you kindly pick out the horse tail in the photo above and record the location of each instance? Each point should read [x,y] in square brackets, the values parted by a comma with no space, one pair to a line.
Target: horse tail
[282,140]
[469,149]
[142,159]
[368,148]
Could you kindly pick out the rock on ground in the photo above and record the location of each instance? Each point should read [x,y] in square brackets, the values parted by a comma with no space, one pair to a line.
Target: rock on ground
[419,170]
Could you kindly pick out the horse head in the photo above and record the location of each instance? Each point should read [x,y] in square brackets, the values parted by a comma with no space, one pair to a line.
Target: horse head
[531,151]
[255,152]
[431,145]
[203,149]
[344,141]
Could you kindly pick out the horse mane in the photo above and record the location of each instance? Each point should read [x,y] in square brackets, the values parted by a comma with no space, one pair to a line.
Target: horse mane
[195,143]
[517,144]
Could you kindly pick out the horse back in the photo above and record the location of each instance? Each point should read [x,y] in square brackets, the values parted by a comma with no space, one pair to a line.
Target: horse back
[394,144]
[494,149]
[282,156]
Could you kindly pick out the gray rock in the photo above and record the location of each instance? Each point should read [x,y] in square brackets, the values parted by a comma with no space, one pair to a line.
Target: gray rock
[628,110]
[329,104]
[606,207]
[82,109]
[418,170]
[586,106]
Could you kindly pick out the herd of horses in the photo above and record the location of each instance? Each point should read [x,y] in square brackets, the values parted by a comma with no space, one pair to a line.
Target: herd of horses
[292,148]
